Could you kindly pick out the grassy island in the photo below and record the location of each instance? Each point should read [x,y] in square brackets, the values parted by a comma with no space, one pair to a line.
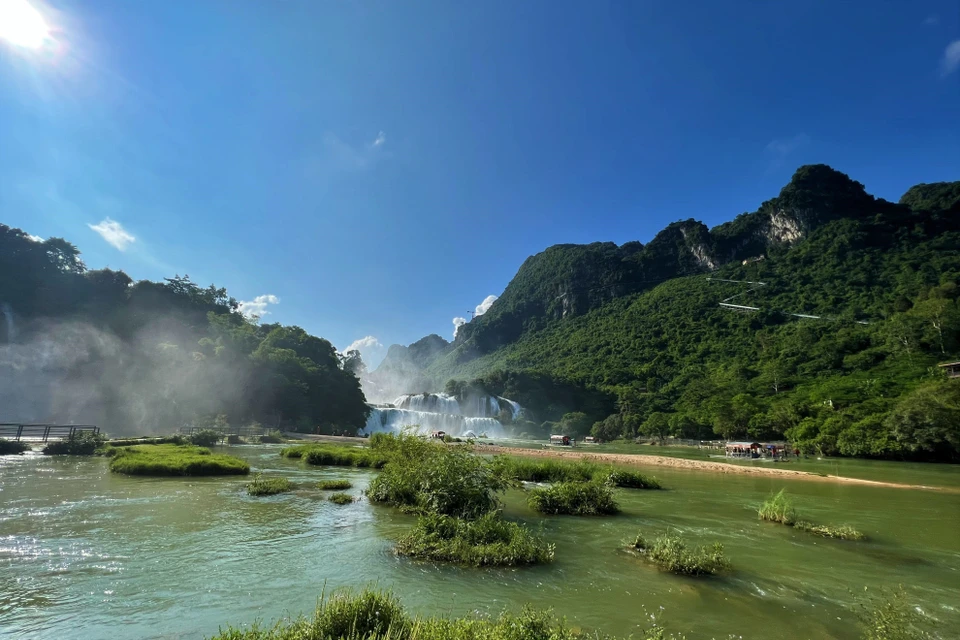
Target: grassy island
[333,455]
[12,447]
[671,553]
[341,498]
[592,498]
[175,460]
[517,468]
[779,508]
[268,486]
[334,485]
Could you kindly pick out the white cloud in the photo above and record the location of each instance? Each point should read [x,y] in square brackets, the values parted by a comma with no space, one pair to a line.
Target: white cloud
[932,20]
[381,138]
[114,233]
[257,308]
[34,238]
[951,58]
[364,344]
[782,147]
[457,323]
[484,306]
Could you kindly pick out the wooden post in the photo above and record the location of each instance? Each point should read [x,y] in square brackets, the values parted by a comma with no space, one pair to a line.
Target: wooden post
[19,431]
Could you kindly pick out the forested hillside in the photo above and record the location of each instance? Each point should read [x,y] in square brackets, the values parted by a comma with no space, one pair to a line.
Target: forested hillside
[80,345]
[639,332]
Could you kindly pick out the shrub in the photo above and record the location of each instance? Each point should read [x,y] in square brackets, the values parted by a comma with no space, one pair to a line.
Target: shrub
[274,437]
[174,460]
[333,455]
[631,480]
[844,532]
[574,498]
[268,486]
[670,553]
[205,437]
[12,447]
[84,443]
[340,498]
[488,540]
[778,508]
[375,615]
[129,442]
[581,471]
[334,485]
[235,439]
[429,477]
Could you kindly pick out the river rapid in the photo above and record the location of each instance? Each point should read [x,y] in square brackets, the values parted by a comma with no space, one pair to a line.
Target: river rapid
[88,554]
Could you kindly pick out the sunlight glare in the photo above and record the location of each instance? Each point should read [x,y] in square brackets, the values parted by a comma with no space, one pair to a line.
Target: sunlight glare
[21,24]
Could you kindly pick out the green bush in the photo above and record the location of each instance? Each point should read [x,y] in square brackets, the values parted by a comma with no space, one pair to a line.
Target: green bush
[428,477]
[175,460]
[670,553]
[778,508]
[334,455]
[235,439]
[84,443]
[12,447]
[334,485]
[574,498]
[376,615]
[205,437]
[274,437]
[130,442]
[340,498]
[843,532]
[631,480]
[268,486]
[517,468]
[488,540]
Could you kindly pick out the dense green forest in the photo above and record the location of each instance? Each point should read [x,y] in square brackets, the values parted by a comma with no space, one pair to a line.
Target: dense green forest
[93,346]
[631,340]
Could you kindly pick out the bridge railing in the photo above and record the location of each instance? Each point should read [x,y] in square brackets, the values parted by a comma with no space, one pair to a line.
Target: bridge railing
[44,432]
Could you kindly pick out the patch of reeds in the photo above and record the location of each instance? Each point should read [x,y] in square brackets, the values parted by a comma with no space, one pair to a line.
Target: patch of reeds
[268,486]
[334,485]
[85,443]
[671,553]
[175,460]
[487,541]
[333,455]
[378,615]
[205,437]
[429,477]
[778,508]
[529,470]
[340,498]
[843,532]
[274,437]
[12,447]
[131,442]
[592,498]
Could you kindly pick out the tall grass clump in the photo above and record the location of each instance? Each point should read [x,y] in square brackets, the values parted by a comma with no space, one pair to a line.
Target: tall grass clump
[334,455]
[525,469]
[487,541]
[593,498]
[429,477]
[378,615]
[12,447]
[340,498]
[174,460]
[273,437]
[671,553]
[205,437]
[778,508]
[631,480]
[268,486]
[84,443]
[889,616]
[334,485]
[131,442]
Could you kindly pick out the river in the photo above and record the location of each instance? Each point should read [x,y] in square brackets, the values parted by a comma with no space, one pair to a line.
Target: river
[92,555]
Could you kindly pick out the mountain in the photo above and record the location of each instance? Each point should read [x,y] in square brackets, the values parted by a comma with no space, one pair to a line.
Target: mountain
[836,349]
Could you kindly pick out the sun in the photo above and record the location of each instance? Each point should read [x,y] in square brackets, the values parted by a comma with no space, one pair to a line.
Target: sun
[21,24]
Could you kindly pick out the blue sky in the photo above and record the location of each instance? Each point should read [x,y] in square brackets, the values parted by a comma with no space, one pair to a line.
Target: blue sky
[379,168]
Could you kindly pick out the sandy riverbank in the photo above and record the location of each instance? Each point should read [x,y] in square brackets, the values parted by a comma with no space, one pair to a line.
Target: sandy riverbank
[644,460]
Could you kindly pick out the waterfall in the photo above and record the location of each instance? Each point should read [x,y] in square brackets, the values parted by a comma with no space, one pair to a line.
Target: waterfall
[431,402]
[515,407]
[391,420]
[8,314]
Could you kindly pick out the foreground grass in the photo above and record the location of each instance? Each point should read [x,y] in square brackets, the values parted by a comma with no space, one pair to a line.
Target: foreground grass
[12,447]
[268,486]
[519,468]
[487,541]
[671,553]
[333,455]
[592,498]
[334,485]
[175,460]
[378,615]
[779,508]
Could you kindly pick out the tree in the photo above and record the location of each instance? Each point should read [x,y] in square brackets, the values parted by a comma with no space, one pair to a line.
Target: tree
[575,424]
[353,363]
[656,426]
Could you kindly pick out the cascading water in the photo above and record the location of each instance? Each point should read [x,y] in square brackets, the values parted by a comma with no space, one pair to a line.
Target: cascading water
[430,412]
[8,315]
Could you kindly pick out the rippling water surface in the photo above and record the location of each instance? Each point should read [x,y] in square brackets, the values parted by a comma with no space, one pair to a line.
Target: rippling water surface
[87,554]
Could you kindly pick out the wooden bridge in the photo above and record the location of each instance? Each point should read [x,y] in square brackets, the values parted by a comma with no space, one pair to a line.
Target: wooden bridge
[44,432]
